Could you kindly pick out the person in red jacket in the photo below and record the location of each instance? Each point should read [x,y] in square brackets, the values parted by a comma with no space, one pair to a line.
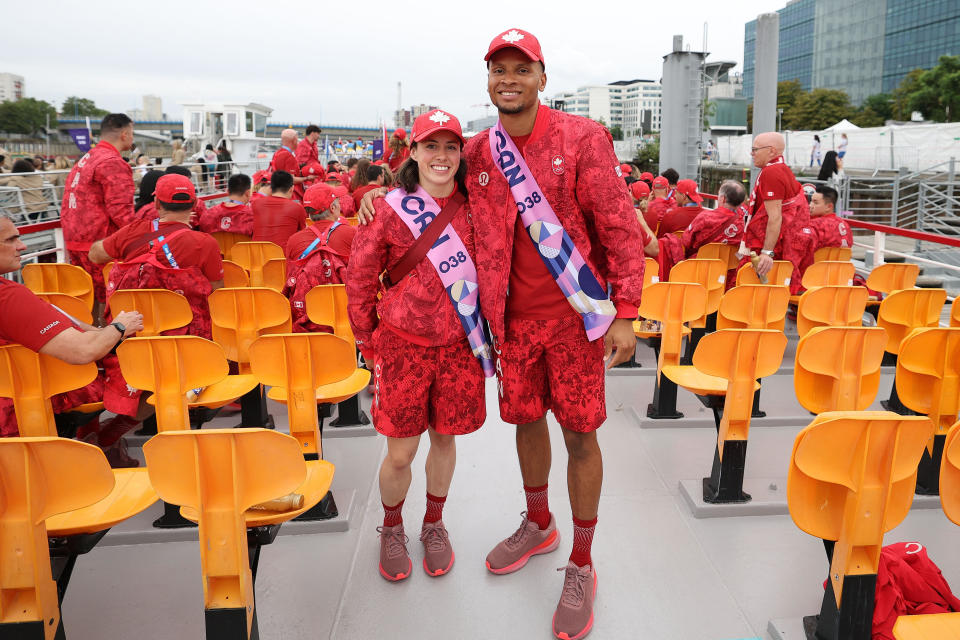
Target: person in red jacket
[829,229]
[307,152]
[680,217]
[98,199]
[234,215]
[277,216]
[284,160]
[397,150]
[659,204]
[426,377]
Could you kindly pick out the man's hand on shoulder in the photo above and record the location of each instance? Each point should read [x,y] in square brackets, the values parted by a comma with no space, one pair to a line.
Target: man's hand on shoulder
[366,212]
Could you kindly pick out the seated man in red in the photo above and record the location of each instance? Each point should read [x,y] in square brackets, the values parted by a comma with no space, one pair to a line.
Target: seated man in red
[234,215]
[39,326]
[680,217]
[317,255]
[659,203]
[375,178]
[828,229]
[278,216]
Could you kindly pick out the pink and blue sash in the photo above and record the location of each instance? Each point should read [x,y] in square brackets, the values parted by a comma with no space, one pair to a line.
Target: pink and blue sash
[454,265]
[556,248]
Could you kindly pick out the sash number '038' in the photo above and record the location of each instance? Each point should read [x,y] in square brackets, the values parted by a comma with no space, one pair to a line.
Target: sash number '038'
[529,202]
[452,261]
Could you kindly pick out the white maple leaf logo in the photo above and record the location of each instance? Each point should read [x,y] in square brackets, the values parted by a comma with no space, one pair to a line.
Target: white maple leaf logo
[558,161]
[512,36]
[440,117]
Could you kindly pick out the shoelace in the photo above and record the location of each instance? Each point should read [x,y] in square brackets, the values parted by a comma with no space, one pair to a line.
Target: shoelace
[520,533]
[434,538]
[572,586]
[396,542]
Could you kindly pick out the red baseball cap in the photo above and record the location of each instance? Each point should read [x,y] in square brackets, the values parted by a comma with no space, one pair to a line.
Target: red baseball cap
[639,189]
[333,176]
[660,183]
[646,175]
[400,134]
[689,189]
[175,189]
[311,169]
[340,191]
[525,41]
[433,121]
[261,177]
[626,169]
[319,197]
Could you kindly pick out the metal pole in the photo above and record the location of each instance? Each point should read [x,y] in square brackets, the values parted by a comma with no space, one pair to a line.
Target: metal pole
[895,198]
[951,176]
[765,86]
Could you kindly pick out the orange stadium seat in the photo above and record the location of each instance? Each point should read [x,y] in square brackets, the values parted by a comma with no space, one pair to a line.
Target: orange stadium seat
[838,368]
[942,626]
[252,256]
[162,309]
[838,254]
[710,273]
[275,274]
[955,313]
[234,275]
[226,240]
[726,253]
[651,271]
[779,274]
[74,307]
[242,315]
[753,306]
[831,306]
[54,277]
[327,306]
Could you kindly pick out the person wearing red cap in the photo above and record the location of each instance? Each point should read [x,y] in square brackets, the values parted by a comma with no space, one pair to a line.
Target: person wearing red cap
[285,160]
[641,198]
[829,229]
[424,336]
[163,253]
[98,199]
[688,201]
[277,216]
[234,215]
[778,226]
[397,150]
[626,170]
[317,255]
[659,203]
[647,177]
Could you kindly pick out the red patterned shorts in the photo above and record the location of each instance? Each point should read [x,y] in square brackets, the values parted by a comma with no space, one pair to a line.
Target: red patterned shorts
[416,387]
[550,364]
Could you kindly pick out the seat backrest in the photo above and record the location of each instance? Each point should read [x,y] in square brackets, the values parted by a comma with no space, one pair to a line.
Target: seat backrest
[892,276]
[234,275]
[299,363]
[162,309]
[221,473]
[169,366]
[39,478]
[226,240]
[839,254]
[950,475]
[31,379]
[53,277]
[651,271]
[838,368]
[779,274]
[753,306]
[831,306]
[740,356]
[240,316]
[955,313]
[74,307]
[275,273]
[905,310]
[852,478]
[726,253]
[672,303]
[252,256]
[711,273]
[327,306]
[828,272]
[928,374]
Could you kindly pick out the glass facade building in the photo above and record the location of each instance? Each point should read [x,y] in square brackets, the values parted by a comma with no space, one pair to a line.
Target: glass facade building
[862,47]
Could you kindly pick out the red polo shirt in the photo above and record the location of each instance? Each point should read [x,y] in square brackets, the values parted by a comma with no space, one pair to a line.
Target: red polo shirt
[190,249]
[275,219]
[26,319]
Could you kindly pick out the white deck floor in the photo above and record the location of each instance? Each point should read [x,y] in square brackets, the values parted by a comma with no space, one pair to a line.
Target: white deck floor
[663,574]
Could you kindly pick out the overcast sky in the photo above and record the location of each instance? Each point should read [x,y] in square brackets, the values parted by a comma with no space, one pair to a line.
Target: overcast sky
[339,63]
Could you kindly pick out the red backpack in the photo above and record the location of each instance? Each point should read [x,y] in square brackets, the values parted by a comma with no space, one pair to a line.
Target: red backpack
[318,264]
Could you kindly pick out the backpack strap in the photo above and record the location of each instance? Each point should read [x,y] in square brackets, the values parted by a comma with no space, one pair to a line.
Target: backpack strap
[322,240]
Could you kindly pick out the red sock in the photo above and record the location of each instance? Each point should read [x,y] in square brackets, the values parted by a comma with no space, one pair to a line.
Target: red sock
[538,507]
[392,516]
[434,508]
[582,541]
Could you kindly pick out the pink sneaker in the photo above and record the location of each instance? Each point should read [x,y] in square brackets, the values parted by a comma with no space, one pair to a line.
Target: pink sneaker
[574,616]
[437,553]
[395,563]
[527,541]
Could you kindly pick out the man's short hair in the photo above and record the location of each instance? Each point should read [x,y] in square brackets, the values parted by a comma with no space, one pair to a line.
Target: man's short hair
[312,129]
[671,175]
[178,170]
[352,162]
[238,184]
[374,171]
[114,123]
[176,207]
[733,193]
[829,194]
[281,181]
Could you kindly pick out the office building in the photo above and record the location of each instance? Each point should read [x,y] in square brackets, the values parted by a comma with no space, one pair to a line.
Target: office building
[632,105]
[11,87]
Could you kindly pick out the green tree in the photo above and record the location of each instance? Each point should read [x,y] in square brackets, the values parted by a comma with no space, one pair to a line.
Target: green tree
[901,95]
[27,116]
[881,104]
[76,106]
[648,158]
[788,92]
[867,117]
[937,95]
[818,109]
[616,132]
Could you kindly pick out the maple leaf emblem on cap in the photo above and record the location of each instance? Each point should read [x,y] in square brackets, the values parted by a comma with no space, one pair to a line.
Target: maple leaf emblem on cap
[512,36]
[440,117]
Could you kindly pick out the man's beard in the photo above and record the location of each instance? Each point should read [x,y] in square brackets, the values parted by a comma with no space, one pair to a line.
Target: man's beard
[511,110]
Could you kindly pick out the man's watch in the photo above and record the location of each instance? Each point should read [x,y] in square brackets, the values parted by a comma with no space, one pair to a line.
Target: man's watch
[119,327]
[767,252]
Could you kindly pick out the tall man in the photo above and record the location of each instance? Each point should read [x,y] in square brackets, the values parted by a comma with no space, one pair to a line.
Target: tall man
[98,198]
[546,197]
[779,216]
[308,156]
[284,160]
[828,229]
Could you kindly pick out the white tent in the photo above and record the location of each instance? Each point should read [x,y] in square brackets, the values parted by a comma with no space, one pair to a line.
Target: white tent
[843,125]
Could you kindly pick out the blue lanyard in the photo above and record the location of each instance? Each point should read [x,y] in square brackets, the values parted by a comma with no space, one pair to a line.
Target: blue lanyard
[237,201]
[164,246]
[316,241]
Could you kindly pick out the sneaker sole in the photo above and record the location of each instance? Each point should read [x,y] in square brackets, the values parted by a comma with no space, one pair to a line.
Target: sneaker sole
[548,545]
[439,572]
[399,576]
[563,635]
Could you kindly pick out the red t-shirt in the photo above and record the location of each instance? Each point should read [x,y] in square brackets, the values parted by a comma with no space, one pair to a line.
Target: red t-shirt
[190,249]
[340,240]
[775,182]
[533,293]
[276,219]
[358,194]
[26,319]
[678,219]
[284,160]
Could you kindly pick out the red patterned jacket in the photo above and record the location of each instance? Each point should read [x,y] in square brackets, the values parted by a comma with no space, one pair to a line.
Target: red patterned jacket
[573,161]
[418,307]
[307,152]
[220,217]
[97,197]
[831,231]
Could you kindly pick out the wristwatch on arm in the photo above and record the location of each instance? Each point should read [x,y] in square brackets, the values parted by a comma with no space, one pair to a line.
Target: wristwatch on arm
[123,330]
[767,252]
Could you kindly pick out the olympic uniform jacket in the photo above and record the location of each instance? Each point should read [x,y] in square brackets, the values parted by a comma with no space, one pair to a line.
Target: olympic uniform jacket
[831,231]
[721,226]
[97,197]
[573,161]
[418,307]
